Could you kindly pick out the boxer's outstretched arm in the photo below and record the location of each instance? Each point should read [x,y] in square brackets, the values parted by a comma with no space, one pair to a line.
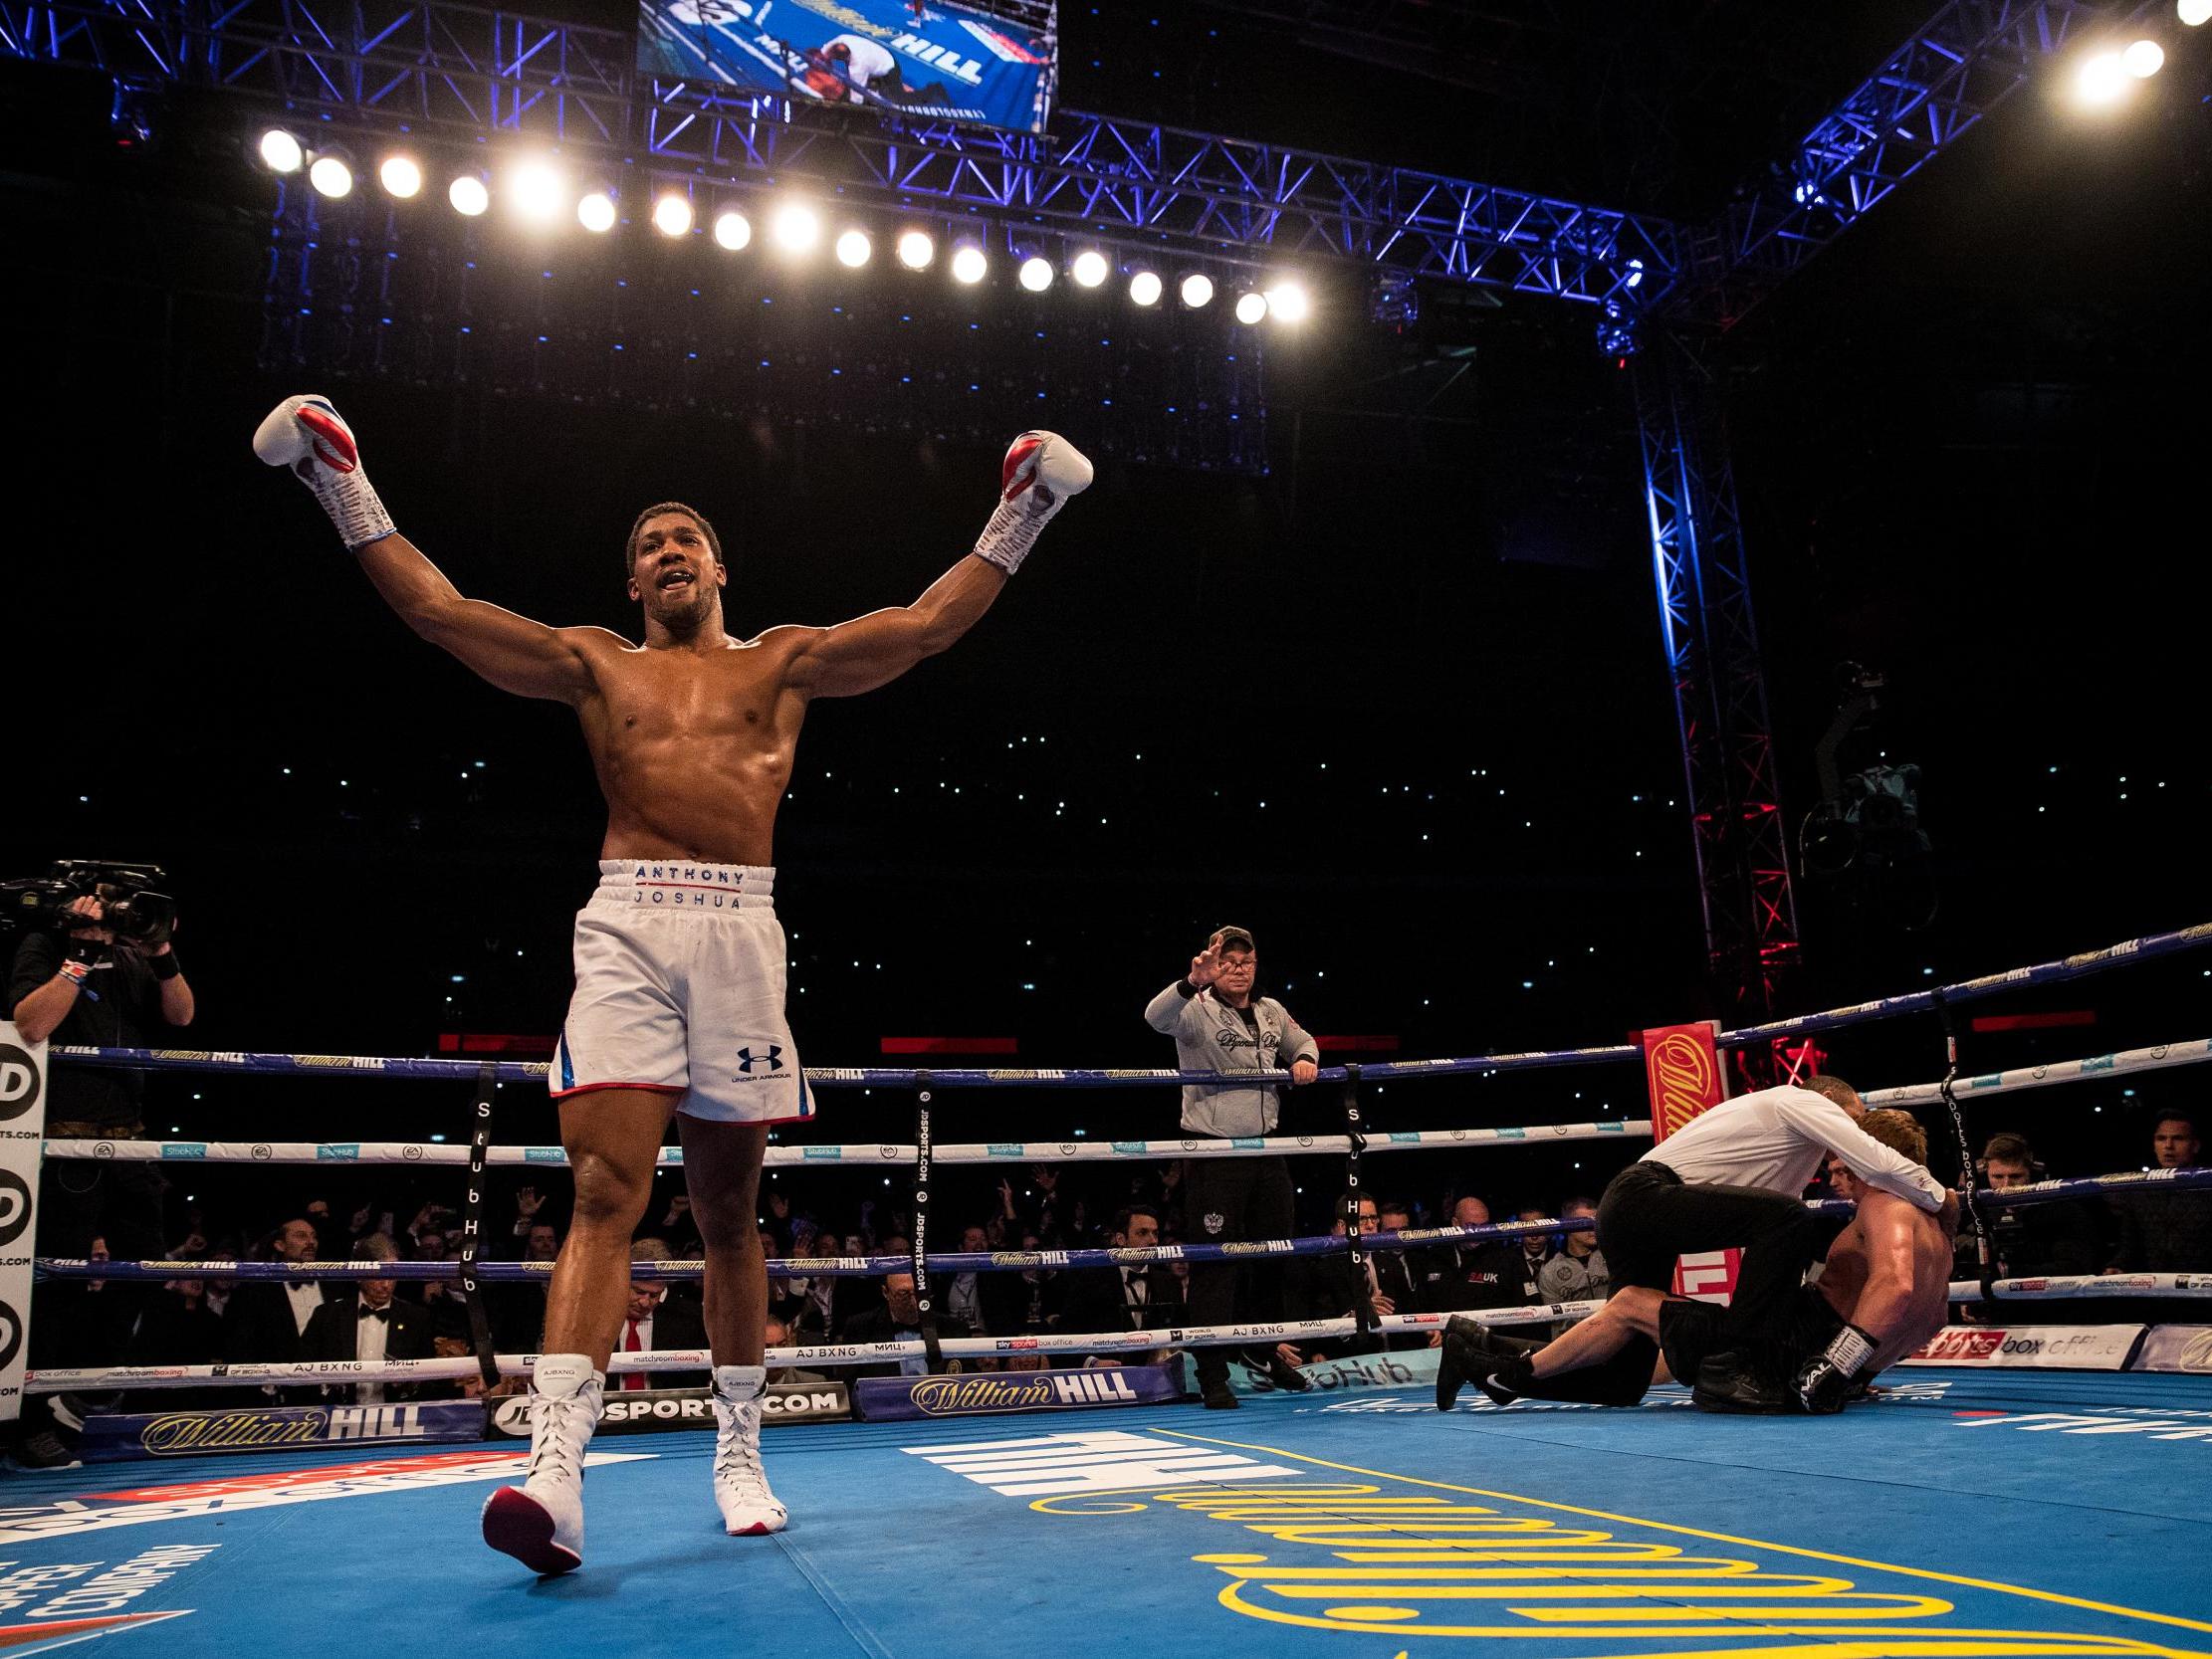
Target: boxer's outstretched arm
[512,652]
[308,438]
[873,650]
[1041,472]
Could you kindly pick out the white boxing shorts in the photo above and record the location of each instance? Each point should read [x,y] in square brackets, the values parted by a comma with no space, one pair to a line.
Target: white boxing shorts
[680,976]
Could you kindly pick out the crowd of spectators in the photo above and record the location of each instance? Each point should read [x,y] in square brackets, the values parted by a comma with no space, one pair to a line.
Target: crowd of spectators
[195,1319]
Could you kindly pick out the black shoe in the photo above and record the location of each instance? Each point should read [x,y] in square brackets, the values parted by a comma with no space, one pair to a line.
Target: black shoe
[1214,1386]
[1471,1354]
[1285,1375]
[1504,1381]
[43,1449]
[1726,1382]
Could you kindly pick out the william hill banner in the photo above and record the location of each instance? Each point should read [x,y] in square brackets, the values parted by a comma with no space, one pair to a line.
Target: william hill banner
[1684,1076]
[1681,1071]
[989,1393]
[120,1439]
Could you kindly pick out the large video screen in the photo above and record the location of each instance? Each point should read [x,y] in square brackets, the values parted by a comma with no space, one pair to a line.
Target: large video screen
[993,62]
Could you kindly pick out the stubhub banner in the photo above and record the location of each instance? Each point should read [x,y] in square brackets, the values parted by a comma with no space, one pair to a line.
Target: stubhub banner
[988,1393]
[120,1439]
[991,65]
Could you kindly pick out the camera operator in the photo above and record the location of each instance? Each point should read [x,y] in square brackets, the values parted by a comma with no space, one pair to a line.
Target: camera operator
[83,985]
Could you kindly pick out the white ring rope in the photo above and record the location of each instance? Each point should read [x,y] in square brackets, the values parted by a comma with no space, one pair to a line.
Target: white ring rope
[97,1377]
[2156,1058]
[883,1153]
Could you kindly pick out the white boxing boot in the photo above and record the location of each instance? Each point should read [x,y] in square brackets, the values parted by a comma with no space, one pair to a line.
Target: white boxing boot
[740,1488]
[540,1522]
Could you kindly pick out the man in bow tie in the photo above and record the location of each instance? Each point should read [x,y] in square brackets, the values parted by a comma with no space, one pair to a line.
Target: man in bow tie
[371,1325]
[1130,1296]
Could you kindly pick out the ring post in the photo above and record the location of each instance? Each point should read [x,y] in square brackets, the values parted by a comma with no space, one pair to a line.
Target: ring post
[1985,1257]
[472,1225]
[923,1298]
[1363,1309]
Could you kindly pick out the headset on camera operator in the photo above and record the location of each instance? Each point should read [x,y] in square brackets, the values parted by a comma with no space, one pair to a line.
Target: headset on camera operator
[95,967]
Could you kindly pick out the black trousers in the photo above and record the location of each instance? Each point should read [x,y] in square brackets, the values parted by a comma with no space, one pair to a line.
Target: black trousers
[1648,1216]
[81,1200]
[1228,1200]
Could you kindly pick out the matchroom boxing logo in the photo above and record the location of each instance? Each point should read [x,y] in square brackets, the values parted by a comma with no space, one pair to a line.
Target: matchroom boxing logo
[15,1206]
[19,1082]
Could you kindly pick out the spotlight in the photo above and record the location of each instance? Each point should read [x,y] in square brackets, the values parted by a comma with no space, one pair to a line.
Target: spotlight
[1090,268]
[2144,59]
[400,176]
[795,227]
[853,249]
[2103,80]
[916,249]
[2195,11]
[1250,307]
[1036,274]
[969,264]
[733,230]
[330,176]
[1197,288]
[468,195]
[537,191]
[1287,303]
[281,152]
[672,215]
[595,212]
[1144,287]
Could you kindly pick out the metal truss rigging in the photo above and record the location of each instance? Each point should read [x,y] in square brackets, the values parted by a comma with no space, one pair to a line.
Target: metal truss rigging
[376,65]
[1712,658]
[1968,59]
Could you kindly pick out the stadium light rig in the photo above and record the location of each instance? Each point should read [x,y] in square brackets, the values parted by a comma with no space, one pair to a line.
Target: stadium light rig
[280,151]
[795,228]
[331,175]
[916,249]
[596,211]
[672,214]
[535,191]
[733,230]
[401,176]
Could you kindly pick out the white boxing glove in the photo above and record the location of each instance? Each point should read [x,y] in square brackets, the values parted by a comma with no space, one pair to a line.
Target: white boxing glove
[1042,470]
[307,435]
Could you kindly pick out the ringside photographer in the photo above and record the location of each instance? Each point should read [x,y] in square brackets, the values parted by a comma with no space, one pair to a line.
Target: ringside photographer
[95,967]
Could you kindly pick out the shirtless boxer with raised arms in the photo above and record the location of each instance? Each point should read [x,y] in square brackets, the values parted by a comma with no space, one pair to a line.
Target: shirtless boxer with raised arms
[678,957]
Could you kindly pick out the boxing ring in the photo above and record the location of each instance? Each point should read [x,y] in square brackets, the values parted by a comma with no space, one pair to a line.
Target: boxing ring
[1963,1511]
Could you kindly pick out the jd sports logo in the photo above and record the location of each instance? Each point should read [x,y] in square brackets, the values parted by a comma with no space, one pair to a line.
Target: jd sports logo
[14,1207]
[771,1061]
[19,1082]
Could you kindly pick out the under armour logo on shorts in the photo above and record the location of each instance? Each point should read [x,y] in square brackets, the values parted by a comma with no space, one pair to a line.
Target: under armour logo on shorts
[772,1059]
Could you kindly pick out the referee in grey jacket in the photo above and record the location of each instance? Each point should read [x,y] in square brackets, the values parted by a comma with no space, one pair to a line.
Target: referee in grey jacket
[1219,1026]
